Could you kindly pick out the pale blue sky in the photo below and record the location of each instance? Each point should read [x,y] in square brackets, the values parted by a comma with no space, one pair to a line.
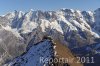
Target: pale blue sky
[26,5]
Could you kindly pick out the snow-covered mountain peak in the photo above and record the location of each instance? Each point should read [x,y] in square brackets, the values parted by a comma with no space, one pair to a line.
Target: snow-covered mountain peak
[60,20]
[67,10]
[15,14]
[97,9]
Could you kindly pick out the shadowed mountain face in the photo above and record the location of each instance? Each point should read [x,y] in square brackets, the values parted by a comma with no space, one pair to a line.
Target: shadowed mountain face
[10,46]
[73,28]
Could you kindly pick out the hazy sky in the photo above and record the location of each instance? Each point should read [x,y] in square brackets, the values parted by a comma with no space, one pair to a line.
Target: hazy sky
[26,5]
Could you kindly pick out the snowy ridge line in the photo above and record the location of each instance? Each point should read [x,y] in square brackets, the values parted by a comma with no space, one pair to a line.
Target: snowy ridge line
[74,19]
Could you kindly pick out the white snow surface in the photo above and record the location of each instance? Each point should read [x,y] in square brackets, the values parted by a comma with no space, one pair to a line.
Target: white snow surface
[33,56]
[59,20]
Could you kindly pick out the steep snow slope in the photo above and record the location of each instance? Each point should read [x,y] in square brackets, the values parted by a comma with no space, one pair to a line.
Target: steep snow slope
[33,57]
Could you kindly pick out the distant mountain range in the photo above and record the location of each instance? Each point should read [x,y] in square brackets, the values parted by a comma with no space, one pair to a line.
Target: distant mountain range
[79,31]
